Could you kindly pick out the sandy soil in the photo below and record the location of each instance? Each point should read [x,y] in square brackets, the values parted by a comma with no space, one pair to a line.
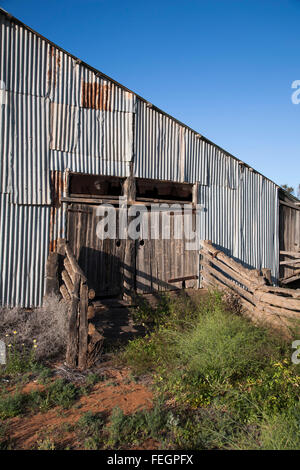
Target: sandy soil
[116,390]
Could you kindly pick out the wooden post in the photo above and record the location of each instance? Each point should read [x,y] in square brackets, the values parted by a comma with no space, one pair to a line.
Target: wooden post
[52,274]
[129,190]
[72,346]
[195,194]
[267,275]
[83,327]
[129,270]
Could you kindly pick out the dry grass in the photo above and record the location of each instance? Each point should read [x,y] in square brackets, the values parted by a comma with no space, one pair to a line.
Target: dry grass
[46,324]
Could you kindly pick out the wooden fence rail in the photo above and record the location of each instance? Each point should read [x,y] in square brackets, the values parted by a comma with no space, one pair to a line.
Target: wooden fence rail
[293,262]
[264,303]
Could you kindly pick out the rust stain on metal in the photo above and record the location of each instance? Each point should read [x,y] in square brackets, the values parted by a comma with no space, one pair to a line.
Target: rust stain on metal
[56,193]
[96,96]
[53,63]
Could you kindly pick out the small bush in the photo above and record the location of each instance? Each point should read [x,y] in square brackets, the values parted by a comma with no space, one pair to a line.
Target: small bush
[132,429]
[20,360]
[45,327]
[60,393]
[92,379]
[46,444]
[281,431]
[4,437]
[90,429]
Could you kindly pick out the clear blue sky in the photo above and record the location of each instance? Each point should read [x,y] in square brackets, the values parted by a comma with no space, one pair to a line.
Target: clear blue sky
[224,67]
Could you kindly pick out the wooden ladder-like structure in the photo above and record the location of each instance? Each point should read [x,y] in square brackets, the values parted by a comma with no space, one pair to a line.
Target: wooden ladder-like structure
[84,342]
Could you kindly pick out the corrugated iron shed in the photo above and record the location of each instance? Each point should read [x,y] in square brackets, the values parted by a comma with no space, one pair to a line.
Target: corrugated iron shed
[59,113]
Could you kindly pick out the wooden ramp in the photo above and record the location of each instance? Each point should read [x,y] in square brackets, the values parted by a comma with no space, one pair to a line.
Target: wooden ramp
[114,317]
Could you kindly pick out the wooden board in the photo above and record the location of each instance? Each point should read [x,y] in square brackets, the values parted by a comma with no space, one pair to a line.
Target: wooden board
[161,260]
[289,237]
[100,260]
[153,262]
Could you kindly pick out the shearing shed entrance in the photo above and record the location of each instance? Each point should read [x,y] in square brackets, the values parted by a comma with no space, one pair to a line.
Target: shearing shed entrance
[148,263]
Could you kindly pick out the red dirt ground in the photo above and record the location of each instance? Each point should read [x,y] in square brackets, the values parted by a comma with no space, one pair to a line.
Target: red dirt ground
[116,390]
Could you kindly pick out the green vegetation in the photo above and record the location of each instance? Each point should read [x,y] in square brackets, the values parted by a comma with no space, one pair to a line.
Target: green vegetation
[90,430]
[46,444]
[219,382]
[4,439]
[232,383]
[58,393]
[132,429]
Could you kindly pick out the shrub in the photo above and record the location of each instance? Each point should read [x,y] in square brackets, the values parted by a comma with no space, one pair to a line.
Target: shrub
[46,444]
[132,429]
[60,393]
[90,429]
[281,431]
[4,437]
[47,325]
[199,351]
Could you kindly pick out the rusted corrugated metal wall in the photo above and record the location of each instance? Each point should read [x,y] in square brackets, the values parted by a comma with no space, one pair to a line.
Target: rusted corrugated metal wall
[61,114]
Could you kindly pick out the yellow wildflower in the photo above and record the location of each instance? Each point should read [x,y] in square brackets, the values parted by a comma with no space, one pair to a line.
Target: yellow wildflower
[14,332]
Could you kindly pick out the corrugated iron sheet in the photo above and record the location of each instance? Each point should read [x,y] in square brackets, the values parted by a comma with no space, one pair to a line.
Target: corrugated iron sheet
[167,150]
[24,245]
[24,59]
[28,160]
[243,221]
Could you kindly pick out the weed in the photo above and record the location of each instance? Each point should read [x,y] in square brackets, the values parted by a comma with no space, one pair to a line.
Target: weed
[92,379]
[60,393]
[46,444]
[13,405]
[44,376]
[132,429]
[4,437]
[90,427]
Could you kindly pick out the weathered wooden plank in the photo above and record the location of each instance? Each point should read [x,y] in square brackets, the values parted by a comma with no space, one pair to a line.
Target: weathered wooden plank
[72,344]
[282,290]
[237,267]
[83,327]
[68,268]
[68,283]
[289,204]
[290,279]
[183,278]
[295,254]
[278,301]
[52,274]
[241,278]
[76,268]
[210,270]
[64,292]
[290,263]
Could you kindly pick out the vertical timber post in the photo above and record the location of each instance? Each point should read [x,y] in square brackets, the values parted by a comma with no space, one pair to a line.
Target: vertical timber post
[72,347]
[129,191]
[83,327]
